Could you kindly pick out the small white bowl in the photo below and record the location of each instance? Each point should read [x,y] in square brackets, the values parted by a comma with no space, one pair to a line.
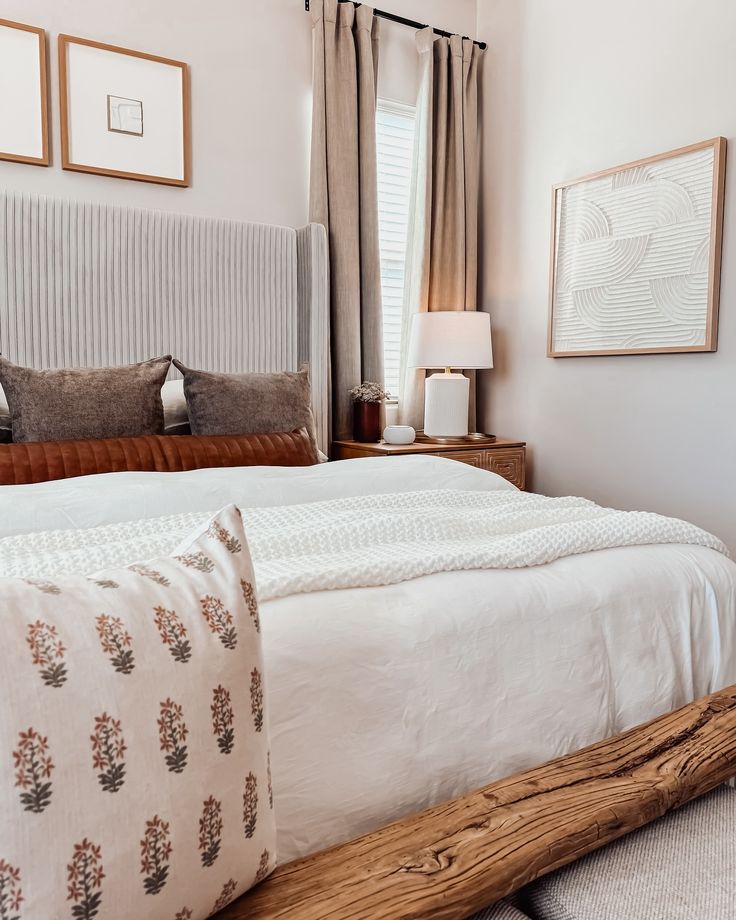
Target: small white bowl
[399,434]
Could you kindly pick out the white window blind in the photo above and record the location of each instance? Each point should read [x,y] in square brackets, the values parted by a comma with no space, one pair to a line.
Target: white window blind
[394,148]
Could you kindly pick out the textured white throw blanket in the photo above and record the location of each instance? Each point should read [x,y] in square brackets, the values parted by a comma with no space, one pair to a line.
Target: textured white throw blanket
[368,540]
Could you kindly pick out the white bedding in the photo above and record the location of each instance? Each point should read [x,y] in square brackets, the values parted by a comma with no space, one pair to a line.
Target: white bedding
[388,698]
[366,541]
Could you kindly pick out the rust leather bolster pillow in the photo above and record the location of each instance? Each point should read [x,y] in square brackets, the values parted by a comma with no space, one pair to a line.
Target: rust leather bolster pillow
[41,461]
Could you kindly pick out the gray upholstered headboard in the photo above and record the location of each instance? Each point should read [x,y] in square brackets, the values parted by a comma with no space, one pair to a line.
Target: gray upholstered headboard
[91,284]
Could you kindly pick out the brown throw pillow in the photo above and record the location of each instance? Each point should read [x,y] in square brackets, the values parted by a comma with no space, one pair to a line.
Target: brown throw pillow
[248,403]
[81,402]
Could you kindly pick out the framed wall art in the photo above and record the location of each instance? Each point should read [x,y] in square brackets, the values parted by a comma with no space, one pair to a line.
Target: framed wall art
[24,116]
[123,113]
[636,256]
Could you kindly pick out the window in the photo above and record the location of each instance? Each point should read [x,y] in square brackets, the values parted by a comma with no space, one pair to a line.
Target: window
[394,148]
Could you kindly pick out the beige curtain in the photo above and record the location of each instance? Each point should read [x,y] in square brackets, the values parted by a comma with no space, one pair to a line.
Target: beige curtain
[343,194]
[442,257]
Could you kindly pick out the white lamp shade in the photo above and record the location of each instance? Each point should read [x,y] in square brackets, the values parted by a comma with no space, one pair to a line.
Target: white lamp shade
[451,338]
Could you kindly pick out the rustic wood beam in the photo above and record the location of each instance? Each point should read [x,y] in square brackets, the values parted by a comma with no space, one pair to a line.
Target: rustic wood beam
[458,857]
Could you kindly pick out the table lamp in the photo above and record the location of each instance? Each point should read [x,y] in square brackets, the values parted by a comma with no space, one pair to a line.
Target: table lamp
[449,339]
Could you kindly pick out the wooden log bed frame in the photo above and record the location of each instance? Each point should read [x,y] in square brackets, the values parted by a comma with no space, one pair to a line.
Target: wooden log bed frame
[456,858]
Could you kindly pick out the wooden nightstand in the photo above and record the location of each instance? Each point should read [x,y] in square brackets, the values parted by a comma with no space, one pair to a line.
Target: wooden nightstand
[502,456]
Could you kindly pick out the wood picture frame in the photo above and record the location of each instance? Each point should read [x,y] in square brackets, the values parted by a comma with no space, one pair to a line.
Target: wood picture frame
[44,157]
[80,163]
[669,297]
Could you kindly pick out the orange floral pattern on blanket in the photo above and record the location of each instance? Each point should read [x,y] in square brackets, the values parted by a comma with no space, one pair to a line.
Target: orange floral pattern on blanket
[84,877]
[173,633]
[116,642]
[155,854]
[256,698]
[172,733]
[249,596]
[108,752]
[220,620]
[33,766]
[223,718]
[250,805]
[226,895]
[48,652]
[231,543]
[12,893]
[210,831]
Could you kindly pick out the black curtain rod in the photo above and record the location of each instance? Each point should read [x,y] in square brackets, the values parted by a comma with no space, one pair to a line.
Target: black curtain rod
[402,20]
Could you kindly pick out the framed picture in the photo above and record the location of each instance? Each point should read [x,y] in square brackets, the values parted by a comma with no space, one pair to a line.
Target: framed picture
[123,113]
[636,256]
[24,114]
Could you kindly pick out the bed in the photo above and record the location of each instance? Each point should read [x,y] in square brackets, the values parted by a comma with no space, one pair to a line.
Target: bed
[421,667]
[390,698]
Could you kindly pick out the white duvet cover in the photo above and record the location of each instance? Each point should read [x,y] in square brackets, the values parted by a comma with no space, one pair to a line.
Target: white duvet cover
[386,699]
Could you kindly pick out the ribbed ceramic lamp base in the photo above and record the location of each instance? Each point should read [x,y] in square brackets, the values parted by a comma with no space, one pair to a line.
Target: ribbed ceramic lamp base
[446,406]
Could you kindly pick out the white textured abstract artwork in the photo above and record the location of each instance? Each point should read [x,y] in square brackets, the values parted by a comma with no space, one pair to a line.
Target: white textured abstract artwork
[633,267]
[124,116]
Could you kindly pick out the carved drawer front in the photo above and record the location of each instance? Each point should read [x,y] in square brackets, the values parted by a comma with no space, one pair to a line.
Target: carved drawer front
[508,463]
[473,457]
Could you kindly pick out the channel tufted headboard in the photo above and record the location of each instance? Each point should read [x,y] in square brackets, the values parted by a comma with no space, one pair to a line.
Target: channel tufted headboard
[85,284]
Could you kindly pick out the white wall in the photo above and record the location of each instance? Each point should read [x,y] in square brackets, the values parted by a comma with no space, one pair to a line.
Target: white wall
[250,69]
[251,66]
[397,77]
[572,87]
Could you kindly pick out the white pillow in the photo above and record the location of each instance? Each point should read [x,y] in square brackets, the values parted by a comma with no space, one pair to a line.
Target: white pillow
[5,426]
[176,415]
[132,702]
